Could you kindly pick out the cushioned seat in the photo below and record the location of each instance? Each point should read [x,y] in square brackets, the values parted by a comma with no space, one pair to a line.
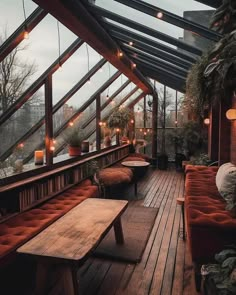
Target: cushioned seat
[19,229]
[115,176]
[210,227]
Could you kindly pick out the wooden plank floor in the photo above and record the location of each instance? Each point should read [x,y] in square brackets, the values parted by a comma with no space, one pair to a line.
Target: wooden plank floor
[166,264]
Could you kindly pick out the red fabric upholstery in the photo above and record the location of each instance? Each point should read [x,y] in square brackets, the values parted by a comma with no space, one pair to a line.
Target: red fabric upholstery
[115,176]
[209,225]
[17,230]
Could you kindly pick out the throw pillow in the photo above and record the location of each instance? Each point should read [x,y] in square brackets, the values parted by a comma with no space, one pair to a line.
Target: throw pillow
[226,184]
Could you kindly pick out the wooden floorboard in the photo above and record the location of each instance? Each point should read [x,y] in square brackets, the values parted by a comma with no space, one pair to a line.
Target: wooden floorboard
[166,266]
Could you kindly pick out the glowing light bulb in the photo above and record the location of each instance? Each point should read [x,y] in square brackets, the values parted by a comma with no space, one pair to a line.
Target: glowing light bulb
[100,124]
[26,34]
[131,43]
[133,65]
[120,53]
[159,14]
[71,123]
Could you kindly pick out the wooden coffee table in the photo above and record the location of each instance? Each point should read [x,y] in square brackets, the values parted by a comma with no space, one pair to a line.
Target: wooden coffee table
[69,241]
[136,166]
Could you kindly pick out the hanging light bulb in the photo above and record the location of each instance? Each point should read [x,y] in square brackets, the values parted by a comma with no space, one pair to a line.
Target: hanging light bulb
[131,43]
[71,123]
[26,34]
[159,14]
[133,65]
[120,53]
[107,96]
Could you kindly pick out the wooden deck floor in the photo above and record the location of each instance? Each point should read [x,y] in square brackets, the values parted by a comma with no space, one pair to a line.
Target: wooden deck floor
[166,265]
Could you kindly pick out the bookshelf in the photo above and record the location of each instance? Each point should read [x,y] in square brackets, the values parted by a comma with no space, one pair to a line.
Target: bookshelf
[29,192]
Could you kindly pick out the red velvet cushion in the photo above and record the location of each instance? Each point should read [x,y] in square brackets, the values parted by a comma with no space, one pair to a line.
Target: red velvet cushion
[209,226]
[19,229]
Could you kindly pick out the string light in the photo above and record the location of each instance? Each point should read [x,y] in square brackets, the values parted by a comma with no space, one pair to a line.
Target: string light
[86,45]
[26,33]
[120,53]
[100,69]
[132,121]
[109,76]
[133,65]
[21,145]
[59,46]
[160,14]
[71,123]
[131,43]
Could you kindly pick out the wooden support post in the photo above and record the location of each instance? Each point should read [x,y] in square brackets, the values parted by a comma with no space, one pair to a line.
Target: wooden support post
[224,134]
[154,127]
[213,134]
[48,120]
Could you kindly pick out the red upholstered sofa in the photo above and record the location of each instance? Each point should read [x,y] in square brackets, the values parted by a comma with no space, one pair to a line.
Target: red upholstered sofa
[17,230]
[210,227]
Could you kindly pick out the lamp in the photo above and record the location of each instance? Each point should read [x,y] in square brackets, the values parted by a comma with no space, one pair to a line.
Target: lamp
[206,121]
[231,114]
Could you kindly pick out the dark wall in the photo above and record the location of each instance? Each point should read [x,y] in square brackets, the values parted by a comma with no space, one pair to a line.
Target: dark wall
[233,137]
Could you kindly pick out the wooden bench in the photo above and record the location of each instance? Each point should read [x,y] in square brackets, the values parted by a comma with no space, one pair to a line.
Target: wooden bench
[70,240]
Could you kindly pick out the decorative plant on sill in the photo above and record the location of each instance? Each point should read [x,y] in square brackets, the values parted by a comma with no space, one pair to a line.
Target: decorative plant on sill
[120,118]
[74,136]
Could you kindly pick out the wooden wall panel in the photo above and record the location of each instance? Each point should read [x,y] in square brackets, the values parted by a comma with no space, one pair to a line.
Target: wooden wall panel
[224,134]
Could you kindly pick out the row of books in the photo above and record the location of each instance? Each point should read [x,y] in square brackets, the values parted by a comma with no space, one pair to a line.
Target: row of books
[43,188]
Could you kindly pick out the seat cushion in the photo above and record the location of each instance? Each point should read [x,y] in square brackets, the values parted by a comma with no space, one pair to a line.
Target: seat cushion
[226,184]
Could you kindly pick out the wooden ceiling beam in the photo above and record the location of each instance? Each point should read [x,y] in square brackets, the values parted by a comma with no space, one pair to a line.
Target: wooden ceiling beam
[77,19]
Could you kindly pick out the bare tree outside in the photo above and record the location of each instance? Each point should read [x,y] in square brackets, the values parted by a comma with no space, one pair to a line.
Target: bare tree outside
[14,76]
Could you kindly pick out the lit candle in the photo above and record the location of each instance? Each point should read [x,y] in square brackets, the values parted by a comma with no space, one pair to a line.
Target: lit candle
[38,157]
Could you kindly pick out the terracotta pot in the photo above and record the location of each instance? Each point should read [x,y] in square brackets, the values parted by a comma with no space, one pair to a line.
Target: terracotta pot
[74,151]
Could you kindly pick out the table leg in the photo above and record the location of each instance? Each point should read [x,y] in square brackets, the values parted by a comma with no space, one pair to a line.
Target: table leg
[64,280]
[135,188]
[118,231]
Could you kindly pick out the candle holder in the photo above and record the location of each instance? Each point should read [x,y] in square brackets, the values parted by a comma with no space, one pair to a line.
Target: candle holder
[38,157]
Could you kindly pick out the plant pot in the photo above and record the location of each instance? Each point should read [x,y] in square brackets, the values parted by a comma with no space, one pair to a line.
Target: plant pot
[107,141]
[74,151]
[178,161]
[162,162]
[85,147]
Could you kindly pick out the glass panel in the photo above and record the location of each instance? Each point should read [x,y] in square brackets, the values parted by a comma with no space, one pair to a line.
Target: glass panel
[12,15]
[192,11]
[73,70]
[113,88]
[22,120]
[36,50]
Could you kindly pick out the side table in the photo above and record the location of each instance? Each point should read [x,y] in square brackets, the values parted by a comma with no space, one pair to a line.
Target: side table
[180,201]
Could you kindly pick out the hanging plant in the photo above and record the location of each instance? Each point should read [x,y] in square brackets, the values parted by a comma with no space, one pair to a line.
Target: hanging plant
[196,100]
[222,17]
[119,118]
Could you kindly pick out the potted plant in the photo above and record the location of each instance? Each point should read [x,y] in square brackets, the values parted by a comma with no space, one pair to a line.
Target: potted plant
[74,137]
[120,118]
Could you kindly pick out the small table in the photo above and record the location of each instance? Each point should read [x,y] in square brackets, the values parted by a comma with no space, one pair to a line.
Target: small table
[180,201]
[136,166]
[69,241]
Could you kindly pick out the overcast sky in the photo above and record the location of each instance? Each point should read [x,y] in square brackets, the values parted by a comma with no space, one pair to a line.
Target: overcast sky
[43,42]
